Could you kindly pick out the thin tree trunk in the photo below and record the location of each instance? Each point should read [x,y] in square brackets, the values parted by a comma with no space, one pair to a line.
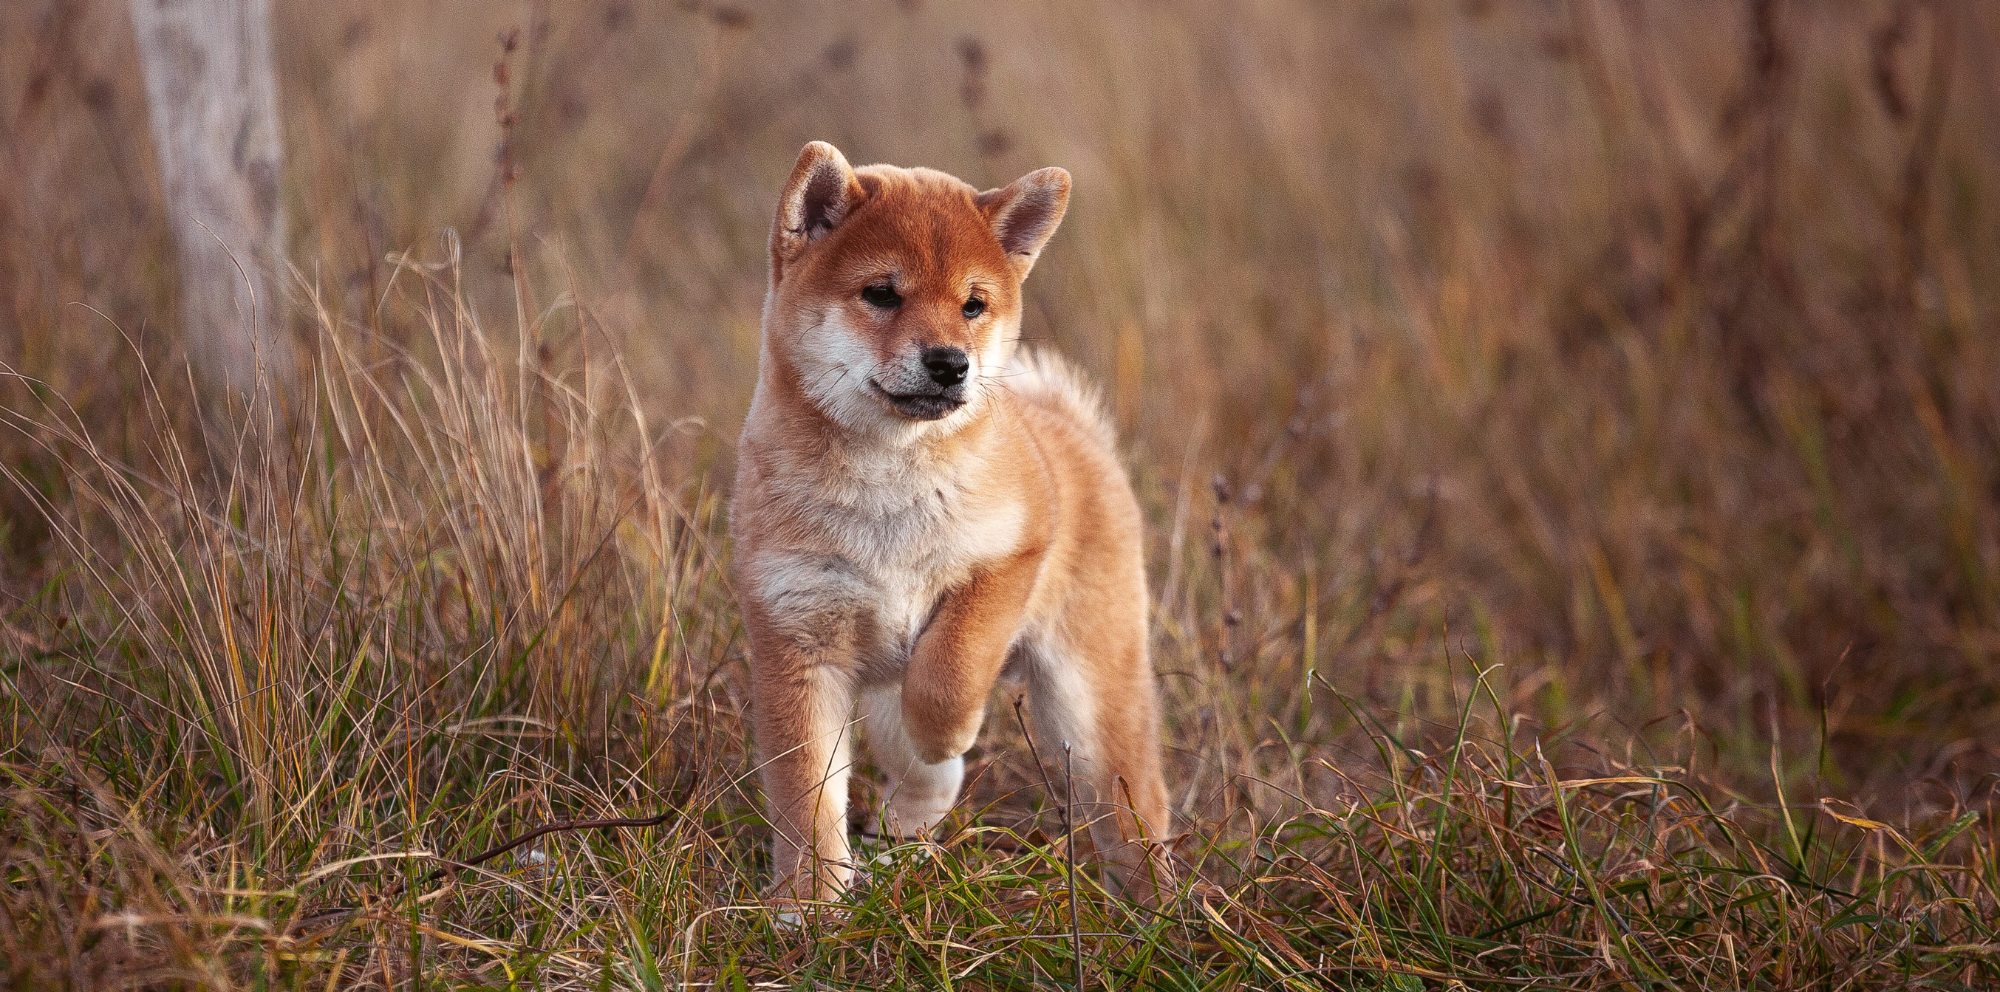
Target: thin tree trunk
[212,94]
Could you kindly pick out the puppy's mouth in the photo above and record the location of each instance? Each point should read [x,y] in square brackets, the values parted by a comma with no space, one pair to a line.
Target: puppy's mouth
[935,405]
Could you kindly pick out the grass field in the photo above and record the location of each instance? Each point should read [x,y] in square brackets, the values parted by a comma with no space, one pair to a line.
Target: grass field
[1569,434]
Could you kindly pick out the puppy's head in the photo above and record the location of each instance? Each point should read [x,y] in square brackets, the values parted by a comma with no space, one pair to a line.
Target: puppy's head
[896,293]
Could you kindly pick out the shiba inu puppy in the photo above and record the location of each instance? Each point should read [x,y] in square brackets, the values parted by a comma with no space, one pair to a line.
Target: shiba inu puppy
[919,510]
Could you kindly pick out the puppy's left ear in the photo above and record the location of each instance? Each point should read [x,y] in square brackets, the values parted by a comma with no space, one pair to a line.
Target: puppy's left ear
[1024,214]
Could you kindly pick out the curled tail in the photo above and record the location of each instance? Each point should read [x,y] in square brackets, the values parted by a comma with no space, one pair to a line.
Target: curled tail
[1048,380]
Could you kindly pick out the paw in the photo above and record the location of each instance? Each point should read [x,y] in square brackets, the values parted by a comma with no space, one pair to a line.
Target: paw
[940,727]
[881,854]
[790,916]
[832,880]
[942,745]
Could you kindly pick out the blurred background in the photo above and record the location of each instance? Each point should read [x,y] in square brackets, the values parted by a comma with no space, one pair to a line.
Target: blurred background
[1647,349]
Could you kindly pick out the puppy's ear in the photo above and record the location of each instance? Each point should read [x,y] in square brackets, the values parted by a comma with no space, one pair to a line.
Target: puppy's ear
[820,194]
[1025,213]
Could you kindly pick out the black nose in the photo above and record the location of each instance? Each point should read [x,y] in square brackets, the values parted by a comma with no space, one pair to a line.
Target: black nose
[947,365]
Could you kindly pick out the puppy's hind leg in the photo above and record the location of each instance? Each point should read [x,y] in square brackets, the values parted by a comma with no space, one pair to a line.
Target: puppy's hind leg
[1100,702]
[915,795]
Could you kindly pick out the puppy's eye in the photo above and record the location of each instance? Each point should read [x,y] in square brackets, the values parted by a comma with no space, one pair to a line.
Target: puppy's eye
[882,295]
[973,308]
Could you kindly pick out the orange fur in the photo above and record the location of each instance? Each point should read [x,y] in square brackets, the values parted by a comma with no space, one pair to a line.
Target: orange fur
[920,511]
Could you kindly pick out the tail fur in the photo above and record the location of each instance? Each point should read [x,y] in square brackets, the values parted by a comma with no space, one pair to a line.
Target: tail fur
[1048,380]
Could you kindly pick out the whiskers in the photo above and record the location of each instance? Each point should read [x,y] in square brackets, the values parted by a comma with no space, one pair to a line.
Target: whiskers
[818,386]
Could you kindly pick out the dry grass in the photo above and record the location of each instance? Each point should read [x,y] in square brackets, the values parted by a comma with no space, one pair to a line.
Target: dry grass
[1572,438]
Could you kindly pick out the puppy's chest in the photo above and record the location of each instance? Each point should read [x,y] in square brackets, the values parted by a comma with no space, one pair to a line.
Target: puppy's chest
[899,542]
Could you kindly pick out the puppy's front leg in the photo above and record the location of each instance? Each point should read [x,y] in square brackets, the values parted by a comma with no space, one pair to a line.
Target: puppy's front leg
[959,656]
[802,686]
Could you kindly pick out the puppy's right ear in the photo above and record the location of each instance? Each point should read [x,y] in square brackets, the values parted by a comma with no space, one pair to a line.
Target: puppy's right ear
[820,194]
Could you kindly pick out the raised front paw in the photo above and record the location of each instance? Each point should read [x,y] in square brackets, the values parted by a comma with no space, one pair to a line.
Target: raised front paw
[946,745]
[937,734]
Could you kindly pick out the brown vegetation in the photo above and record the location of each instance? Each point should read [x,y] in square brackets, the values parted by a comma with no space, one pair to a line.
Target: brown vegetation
[1648,351]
